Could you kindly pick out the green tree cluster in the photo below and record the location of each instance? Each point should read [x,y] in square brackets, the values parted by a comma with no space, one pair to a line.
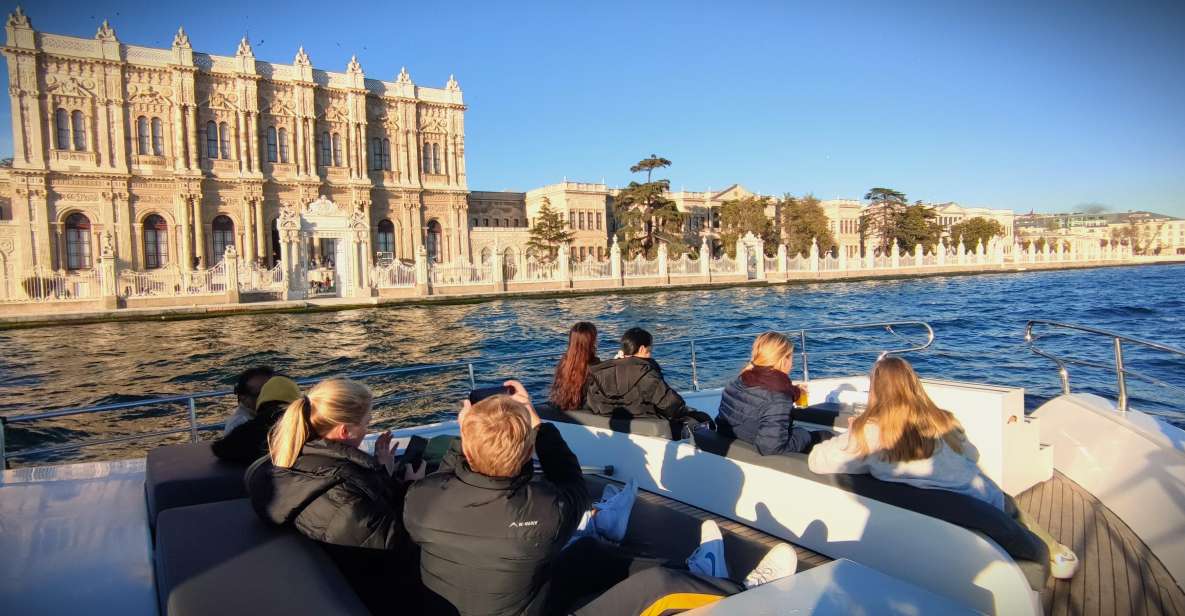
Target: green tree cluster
[549,233]
[890,220]
[746,215]
[803,220]
[645,217]
[975,230]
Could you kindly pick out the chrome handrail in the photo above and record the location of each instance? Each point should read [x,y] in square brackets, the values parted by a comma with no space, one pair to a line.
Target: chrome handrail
[191,408]
[1117,340]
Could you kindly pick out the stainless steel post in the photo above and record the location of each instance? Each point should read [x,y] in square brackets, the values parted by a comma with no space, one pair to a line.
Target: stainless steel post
[806,371]
[1122,376]
[193,435]
[3,448]
[694,372]
[1065,376]
[472,380]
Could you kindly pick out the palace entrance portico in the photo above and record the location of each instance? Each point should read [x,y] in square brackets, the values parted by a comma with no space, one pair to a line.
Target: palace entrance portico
[324,250]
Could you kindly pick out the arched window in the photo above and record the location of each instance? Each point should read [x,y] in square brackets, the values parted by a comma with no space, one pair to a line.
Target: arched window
[78,124]
[376,154]
[158,138]
[223,229]
[156,242]
[435,158]
[224,139]
[326,149]
[337,149]
[211,140]
[505,222]
[495,222]
[427,158]
[387,154]
[62,122]
[485,222]
[434,242]
[283,145]
[273,153]
[386,243]
[142,135]
[516,222]
[78,242]
[486,253]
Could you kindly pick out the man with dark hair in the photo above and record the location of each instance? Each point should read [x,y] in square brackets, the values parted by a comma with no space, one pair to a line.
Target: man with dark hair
[247,388]
[632,384]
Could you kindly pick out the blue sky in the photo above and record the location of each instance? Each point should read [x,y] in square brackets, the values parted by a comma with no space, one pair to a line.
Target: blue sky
[1042,106]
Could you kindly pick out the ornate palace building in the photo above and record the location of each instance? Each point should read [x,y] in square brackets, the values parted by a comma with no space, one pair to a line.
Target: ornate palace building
[177,154]
[162,159]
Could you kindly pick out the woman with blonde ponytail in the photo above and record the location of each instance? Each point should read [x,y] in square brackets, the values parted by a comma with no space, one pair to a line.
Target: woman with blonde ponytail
[317,480]
[756,406]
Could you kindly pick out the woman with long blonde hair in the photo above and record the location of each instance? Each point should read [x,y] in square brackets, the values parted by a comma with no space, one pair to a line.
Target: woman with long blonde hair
[756,406]
[317,480]
[904,437]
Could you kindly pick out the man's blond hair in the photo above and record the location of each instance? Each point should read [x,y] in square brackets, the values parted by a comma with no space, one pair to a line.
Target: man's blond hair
[497,436]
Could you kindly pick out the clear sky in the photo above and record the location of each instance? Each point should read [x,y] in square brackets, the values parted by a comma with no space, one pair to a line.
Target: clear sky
[1032,105]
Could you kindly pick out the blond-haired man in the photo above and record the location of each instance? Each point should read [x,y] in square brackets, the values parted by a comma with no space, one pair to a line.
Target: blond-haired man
[487,525]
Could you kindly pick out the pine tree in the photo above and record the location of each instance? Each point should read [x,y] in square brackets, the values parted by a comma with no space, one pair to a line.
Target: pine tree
[549,233]
[804,220]
[645,216]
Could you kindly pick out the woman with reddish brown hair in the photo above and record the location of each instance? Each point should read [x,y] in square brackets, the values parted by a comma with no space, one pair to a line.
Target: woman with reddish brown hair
[571,374]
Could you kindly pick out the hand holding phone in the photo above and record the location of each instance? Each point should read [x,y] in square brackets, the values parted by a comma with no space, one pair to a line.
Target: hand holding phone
[477,395]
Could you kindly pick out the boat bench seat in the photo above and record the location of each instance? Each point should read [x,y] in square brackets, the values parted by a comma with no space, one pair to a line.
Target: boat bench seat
[1025,548]
[220,558]
[629,424]
[189,474]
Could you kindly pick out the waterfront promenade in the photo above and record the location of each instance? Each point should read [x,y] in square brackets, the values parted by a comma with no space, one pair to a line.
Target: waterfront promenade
[235,288]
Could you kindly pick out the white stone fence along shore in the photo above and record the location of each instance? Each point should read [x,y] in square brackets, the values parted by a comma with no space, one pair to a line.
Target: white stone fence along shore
[234,280]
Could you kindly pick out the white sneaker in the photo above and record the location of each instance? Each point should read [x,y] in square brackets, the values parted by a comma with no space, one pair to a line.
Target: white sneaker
[1064,564]
[779,562]
[708,558]
[613,511]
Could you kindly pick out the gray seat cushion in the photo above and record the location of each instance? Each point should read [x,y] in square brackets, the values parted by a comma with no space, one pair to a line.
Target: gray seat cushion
[220,558]
[189,474]
[642,426]
[1029,552]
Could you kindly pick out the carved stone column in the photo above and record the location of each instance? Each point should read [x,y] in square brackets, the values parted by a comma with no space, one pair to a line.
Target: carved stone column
[248,231]
[261,233]
[192,131]
[184,252]
[199,236]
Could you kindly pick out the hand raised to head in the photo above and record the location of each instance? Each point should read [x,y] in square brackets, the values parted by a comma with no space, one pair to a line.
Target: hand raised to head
[519,393]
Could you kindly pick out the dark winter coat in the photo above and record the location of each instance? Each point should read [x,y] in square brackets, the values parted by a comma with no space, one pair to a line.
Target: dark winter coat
[343,498]
[248,441]
[633,386]
[487,542]
[756,408]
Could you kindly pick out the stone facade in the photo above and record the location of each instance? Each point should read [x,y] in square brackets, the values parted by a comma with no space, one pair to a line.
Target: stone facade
[178,154]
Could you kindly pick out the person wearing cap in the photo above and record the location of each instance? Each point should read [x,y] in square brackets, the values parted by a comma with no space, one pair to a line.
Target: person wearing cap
[248,441]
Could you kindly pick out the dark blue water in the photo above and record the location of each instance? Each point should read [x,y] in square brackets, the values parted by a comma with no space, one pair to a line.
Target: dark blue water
[978,320]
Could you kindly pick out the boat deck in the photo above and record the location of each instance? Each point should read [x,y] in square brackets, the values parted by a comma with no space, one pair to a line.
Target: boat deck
[1117,575]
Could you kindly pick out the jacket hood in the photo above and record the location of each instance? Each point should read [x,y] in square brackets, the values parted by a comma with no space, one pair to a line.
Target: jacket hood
[321,466]
[770,380]
[618,376]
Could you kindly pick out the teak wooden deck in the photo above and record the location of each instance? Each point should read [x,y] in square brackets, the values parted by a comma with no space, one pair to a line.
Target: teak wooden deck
[1117,574]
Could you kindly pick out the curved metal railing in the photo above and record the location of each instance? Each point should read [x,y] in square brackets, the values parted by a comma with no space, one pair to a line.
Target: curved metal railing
[694,345]
[1117,342]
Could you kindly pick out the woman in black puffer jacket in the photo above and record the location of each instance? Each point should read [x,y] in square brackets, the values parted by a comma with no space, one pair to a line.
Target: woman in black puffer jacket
[755,407]
[317,480]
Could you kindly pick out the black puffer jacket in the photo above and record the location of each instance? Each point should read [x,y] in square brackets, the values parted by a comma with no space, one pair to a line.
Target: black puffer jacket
[635,386]
[342,497]
[247,442]
[487,542]
[761,417]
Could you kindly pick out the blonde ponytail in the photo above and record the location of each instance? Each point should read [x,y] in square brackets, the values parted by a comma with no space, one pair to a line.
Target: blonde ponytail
[328,404]
[769,349]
